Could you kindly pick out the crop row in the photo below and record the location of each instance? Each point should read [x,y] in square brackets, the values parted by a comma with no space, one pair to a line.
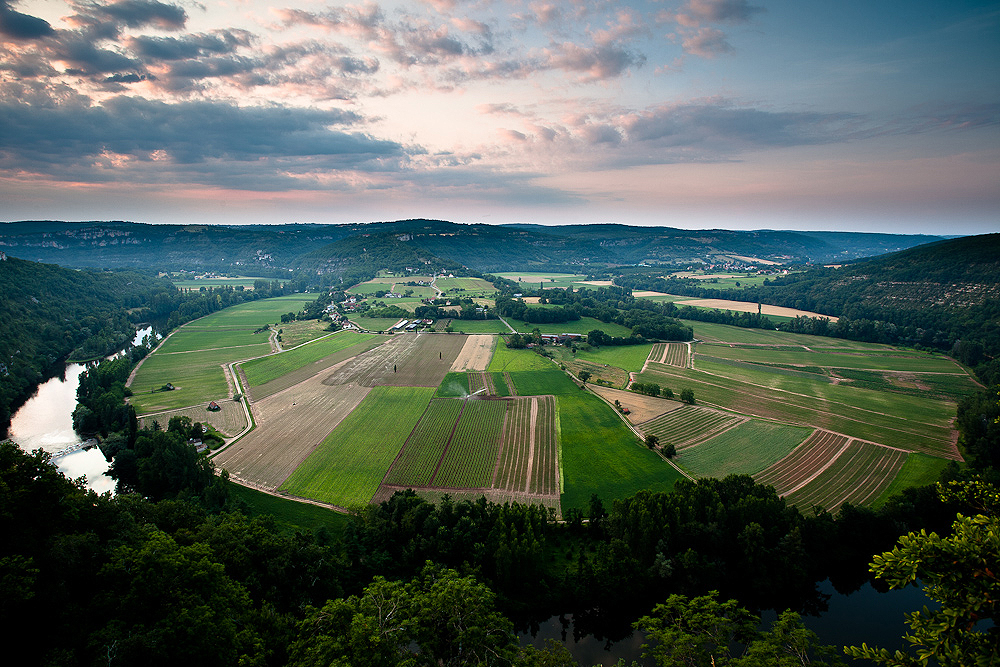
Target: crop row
[512,471]
[676,354]
[471,458]
[689,425]
[422,452]
[476,382]
[544,477]
[858,475]
[790,472]
[528,456]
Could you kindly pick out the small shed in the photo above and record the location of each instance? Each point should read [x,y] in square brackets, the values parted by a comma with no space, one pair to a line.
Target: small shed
[214,407]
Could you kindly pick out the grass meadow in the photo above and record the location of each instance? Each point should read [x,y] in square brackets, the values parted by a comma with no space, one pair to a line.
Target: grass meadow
[474,326]
[191,358]
[584,325]
[269,368]
[601,455]
[290,515]
[744,449]
[506,359]
[348,466]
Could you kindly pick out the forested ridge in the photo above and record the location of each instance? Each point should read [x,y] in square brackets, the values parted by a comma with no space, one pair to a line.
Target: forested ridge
[269,250]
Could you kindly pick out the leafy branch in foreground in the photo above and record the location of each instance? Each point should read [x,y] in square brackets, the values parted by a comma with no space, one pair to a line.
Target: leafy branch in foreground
[961,573]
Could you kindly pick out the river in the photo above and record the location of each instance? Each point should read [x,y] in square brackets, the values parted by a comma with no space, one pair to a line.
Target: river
[46,421]
[865,616]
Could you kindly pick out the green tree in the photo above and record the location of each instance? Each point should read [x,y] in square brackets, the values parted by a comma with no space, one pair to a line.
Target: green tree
[704,632]
[687,396]
[960,572]
[651,441]
[585,375]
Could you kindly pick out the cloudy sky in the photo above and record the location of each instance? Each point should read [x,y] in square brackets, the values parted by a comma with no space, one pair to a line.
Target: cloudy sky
[877,115]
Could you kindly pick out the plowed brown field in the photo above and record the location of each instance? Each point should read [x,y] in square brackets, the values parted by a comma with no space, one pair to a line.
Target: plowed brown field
[408,360]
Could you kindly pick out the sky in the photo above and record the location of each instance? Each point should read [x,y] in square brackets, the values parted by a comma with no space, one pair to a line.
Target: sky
[859,115]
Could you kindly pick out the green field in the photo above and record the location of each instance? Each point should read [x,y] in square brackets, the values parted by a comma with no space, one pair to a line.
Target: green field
[348,466]
[191,358]
[917,470]
[290,515]
[472,453]
[540,383]
[506,359]
[419,460]
[268,368]
[886,359]
[465,286]
[474,326]
[600,455]
[724,333]
[743,450]
[454,385]
[627,357]
[244,281]
[908,422]
[255,313]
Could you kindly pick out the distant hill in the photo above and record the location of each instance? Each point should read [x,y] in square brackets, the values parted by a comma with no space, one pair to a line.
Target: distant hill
[270,249]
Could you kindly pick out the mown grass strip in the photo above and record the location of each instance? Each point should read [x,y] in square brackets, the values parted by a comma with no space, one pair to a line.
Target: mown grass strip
[270,368]
[348,466]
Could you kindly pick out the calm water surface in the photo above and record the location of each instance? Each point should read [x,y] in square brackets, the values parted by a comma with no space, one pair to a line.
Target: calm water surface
[46,422]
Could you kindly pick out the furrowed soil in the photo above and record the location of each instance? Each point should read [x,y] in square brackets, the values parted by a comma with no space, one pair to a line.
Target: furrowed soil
[641,407]
[407,360]
[475,354]
[290,424]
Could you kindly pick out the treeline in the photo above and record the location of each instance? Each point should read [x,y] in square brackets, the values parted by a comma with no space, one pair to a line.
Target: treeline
[942,296]
[647,320]
[175,571]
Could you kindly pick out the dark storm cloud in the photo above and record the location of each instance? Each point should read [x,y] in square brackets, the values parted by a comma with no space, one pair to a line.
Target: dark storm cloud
[190,46]
[22,26]
[62,139]
[722,124]
[138,14]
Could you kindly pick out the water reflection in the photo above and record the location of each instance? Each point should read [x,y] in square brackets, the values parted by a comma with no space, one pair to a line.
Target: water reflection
[46,422]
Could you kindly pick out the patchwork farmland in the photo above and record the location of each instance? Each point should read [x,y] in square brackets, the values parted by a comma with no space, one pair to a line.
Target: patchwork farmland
[348,418]
[829,469]
[505,448]
[690,425]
